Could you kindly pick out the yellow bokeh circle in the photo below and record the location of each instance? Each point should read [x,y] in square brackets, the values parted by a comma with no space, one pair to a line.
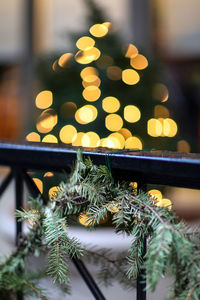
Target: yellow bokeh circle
[50,138]
[139,62]
[91,93]
[98,30]
[33,137]
[132,113]
[67,133]
[65,60]
[44,99]
[133,143]
[130,77]
[86,114]
[85,43]
[110,104]
[113,122]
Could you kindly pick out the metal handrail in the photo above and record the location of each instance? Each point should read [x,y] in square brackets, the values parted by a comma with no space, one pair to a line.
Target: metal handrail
[145,167]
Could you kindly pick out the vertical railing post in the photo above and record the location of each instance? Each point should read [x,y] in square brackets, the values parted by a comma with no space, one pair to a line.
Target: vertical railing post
[141,280]
[18,205]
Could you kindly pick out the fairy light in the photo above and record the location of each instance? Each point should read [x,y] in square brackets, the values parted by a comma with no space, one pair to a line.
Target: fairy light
[67,134]
[85,43]
[183,146]
[130,77]
[33,137]
[39,184]
[44,99]
[50,138]
[133,143]
[77,139]
[113,122]
[52,192]
[132,113]
[91,93]
[47,120]
[86,114]
[88,71]
[110,104]
[98,30]
[139,62]
[125,132]
[119,137]
[130,51]
[90,139]
[154,127]
[65,60]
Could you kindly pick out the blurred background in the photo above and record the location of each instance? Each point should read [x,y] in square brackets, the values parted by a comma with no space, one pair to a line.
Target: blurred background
[118,74]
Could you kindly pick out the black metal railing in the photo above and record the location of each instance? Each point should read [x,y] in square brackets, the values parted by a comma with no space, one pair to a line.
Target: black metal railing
[145,167]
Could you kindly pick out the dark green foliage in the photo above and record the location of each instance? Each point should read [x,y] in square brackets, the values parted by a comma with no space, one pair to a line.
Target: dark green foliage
[172,247]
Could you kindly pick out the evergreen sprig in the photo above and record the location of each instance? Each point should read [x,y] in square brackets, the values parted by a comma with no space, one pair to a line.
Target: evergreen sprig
[172,247]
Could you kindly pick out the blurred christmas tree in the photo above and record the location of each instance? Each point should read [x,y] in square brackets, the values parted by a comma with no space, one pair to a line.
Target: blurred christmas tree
[104,94]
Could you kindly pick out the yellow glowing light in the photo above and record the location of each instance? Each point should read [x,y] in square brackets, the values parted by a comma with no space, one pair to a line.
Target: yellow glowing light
[130,76]
[67,133]
[156,193]
[90,78]
[47,120]
[160,92]
[83,219]
[125,132]
[86,114]
[161,111]
[113,122]
[133,143]
[119,137]
[39,184]
[96,82]
[183,146]
[139,62]
[132,113]
[154,127]
[87,56]
[48,174]
[85,43]
[77,139]
[65,60]
[105,142]
[107,24]
[164,202]
[115,142]
[98,30]
[94,53]
[50,138]
[90,139]
[110,104]
[91,93]
[52,192]
[55,66]
[44,99]
[105,61]
[33,137]
[131,51]
[169,127]
[113,207]
[114,73]
[88,71]
[68,109]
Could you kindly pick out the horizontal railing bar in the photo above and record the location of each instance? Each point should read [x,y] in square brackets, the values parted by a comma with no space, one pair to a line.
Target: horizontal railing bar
[156,167]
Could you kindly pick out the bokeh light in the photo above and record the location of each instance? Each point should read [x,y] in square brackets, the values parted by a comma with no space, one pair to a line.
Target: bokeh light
[130,76]
[156,193]
[98,30]
[139,62]
[160,92]
[87,56]
[154,127]
[47,120]
[52,192]
[44,99]
[77,139]
[88,71]
[85,43]
[130,51]
[183,146]
[90,139]
[39,184]
[96,81]
[91,93]
[132,113]
[169,127]
[65,60]
[164,202]
[50,138]
[67,133]
[110,104]
[48,174]
[86,114]
[114,73]
[104,61]
[161,111]
[113,122]
[68,109]
[133,142]
[83,219]
[33,137]
[119,137]
[125,132]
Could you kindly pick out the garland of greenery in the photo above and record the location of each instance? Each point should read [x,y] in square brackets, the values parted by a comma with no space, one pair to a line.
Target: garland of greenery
[173,249]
